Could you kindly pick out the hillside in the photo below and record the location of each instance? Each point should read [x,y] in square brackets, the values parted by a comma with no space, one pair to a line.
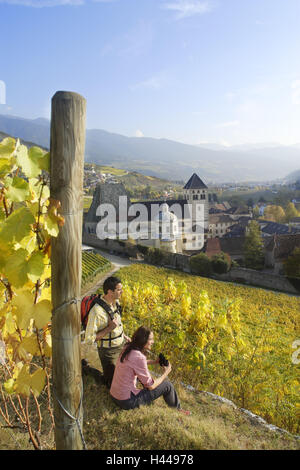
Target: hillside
[165,158]
[293,177]
[134,179]
[213,425]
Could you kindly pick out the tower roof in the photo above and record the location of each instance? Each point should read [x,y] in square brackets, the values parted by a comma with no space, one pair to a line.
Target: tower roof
[195,183]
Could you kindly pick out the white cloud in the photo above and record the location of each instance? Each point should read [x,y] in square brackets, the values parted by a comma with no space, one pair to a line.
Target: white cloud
[138,133]
[229,124]
[188,8]
[296,92]
[152,83]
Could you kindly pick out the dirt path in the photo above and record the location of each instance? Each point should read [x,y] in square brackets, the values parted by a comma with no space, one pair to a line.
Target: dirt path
[117,263]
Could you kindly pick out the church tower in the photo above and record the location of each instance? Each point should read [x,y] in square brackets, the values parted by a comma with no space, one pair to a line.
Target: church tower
[196,194]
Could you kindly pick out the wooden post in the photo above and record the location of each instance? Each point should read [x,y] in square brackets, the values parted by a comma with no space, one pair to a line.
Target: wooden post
[66,185]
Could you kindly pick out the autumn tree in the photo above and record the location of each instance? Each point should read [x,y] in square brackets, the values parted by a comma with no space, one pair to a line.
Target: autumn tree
[291,211]
[253,248]
[274,214]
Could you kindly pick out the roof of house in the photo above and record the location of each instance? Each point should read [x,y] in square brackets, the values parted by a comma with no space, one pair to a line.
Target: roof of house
[235,230]
[238,210]
[220,219]
[212,247]
[283,245]
[232,246]
[273,228]
[195,183]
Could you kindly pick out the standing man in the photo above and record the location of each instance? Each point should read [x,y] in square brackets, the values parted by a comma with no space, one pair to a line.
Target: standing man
[105,327]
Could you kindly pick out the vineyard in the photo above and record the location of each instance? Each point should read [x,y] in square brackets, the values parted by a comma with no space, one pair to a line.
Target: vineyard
[92,265]
[231,340]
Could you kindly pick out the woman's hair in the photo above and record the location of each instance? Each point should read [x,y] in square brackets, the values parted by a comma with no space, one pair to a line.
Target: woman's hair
[138,341]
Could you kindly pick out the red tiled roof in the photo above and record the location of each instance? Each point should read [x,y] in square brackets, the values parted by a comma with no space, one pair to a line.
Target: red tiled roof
[212,247]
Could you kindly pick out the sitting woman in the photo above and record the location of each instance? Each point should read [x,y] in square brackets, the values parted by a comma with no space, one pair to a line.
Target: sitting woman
[132,364]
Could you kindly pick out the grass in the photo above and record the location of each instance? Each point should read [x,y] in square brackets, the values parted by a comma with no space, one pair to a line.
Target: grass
[211,426]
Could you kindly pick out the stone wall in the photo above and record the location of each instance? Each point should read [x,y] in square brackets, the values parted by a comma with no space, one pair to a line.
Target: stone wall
[259,279]
[181,262]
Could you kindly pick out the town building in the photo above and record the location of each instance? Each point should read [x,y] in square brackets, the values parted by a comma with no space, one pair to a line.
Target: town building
[179,225]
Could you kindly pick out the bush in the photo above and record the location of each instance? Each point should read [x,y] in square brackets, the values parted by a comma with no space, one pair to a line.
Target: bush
[158,257]
[155,256]
[201,264]
[143,249]
[292,264]
[220,263]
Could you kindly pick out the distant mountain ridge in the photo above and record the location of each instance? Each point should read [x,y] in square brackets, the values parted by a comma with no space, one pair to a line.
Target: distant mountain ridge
[165,158]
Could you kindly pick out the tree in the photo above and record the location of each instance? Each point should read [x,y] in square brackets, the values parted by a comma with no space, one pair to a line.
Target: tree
[275,214]
[253,248]
[250,202]
[292,264]
[255,212]
[291,211]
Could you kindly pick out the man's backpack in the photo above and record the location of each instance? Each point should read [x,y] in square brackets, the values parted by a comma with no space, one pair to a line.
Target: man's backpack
[88,302]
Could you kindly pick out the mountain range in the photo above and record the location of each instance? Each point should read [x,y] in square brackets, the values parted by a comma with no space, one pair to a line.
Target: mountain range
[170,159]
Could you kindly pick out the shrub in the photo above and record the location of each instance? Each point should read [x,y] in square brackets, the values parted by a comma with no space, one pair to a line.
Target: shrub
[292,264]
[143,249]
[220,263]
[201,264]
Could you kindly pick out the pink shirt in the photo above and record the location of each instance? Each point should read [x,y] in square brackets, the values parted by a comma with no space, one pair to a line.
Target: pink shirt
[126,373]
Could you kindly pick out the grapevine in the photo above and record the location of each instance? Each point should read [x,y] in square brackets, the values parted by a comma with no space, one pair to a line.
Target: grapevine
[230,340]
[28,220]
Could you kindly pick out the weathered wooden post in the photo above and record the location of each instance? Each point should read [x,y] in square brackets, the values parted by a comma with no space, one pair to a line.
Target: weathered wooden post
[66,185]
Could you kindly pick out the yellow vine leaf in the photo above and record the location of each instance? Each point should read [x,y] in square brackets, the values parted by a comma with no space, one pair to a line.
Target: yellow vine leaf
[29,160]
[51,224]
[16,268]
[23,381]
[17,225]
[7,147]
[37,381]
[18,190]
[29,345]
[23,308]
[28,243]
[9,326]
[35,266]
[48,345]
[42,313]
[9,386]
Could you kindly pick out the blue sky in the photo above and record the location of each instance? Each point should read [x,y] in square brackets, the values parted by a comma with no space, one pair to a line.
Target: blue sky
[225,71]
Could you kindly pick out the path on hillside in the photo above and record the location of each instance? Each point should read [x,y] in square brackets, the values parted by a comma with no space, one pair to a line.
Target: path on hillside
[117,263]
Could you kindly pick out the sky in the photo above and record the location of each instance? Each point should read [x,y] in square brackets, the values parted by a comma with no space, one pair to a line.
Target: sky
[194,71]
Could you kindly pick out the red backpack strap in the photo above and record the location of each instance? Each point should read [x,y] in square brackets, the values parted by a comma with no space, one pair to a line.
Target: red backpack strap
[86,305]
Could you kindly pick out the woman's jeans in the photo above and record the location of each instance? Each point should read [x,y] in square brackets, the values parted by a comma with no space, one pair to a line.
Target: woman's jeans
[145,397]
